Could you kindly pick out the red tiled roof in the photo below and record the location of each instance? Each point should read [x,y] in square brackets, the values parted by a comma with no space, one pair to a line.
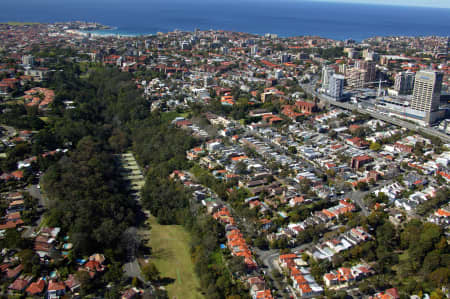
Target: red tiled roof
[36,287]
[56,286]
[18,174]
[11,273]
[19,284]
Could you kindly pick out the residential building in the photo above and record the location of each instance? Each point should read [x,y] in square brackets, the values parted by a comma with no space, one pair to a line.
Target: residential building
[327,73]
[27,60]
[336,86]
[404,82]
[359,161]
[356,77]
[369,67]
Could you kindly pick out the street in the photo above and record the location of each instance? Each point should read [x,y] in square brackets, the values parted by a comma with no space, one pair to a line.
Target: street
[268,258]
[34,192]
[404,124]
[132,269]
[357,196]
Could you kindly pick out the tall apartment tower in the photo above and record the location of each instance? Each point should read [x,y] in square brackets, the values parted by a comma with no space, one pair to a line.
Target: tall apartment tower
[369,67]
[254,50]
[356,78]
[404,82]
[327,72]
[336,86]
[285,58]
[427,92]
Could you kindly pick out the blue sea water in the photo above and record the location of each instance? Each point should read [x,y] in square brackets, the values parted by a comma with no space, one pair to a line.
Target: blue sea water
[283,17]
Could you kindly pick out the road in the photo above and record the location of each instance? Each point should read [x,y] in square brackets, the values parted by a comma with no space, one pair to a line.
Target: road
[132,269]
[269,257]
[444,137]
[357,196]
[34,192]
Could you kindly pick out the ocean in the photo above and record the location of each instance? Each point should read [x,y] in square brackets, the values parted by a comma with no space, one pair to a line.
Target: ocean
[282,17]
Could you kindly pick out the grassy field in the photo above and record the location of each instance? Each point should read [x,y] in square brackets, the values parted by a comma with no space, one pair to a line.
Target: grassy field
[19,23]
[169,116]
[170,254]
[15,102]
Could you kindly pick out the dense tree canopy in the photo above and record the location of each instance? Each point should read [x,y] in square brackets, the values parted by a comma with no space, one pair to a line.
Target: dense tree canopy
[88,199]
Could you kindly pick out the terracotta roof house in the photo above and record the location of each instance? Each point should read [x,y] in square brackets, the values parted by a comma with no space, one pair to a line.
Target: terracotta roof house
[13,273]
[20,284]
[56,288]
[36,288]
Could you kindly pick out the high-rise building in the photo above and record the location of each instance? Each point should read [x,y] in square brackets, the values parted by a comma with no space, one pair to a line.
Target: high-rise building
[353,54]
[336,86]
[185,45]
[343,69]
[369,67]
[369,54]
[224,50]
[253,50]
[327,72]
[427,93]
[356,77]
[285,58]
[27,60]
[278,74]
[404,82]
[208,81]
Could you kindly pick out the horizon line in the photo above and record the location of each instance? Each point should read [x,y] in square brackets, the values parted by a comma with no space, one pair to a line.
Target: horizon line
[382,3]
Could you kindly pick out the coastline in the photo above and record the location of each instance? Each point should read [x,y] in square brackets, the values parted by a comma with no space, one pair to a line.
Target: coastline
[113,31]
[292,19]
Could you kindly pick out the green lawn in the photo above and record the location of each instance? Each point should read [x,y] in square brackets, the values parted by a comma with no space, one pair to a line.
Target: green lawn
[170,254]
[19,23]
[169,116]
[15,102]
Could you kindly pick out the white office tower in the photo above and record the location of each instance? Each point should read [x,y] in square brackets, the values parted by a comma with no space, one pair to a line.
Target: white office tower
[336,86]
[327,72]
[404,82]
[427,93]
